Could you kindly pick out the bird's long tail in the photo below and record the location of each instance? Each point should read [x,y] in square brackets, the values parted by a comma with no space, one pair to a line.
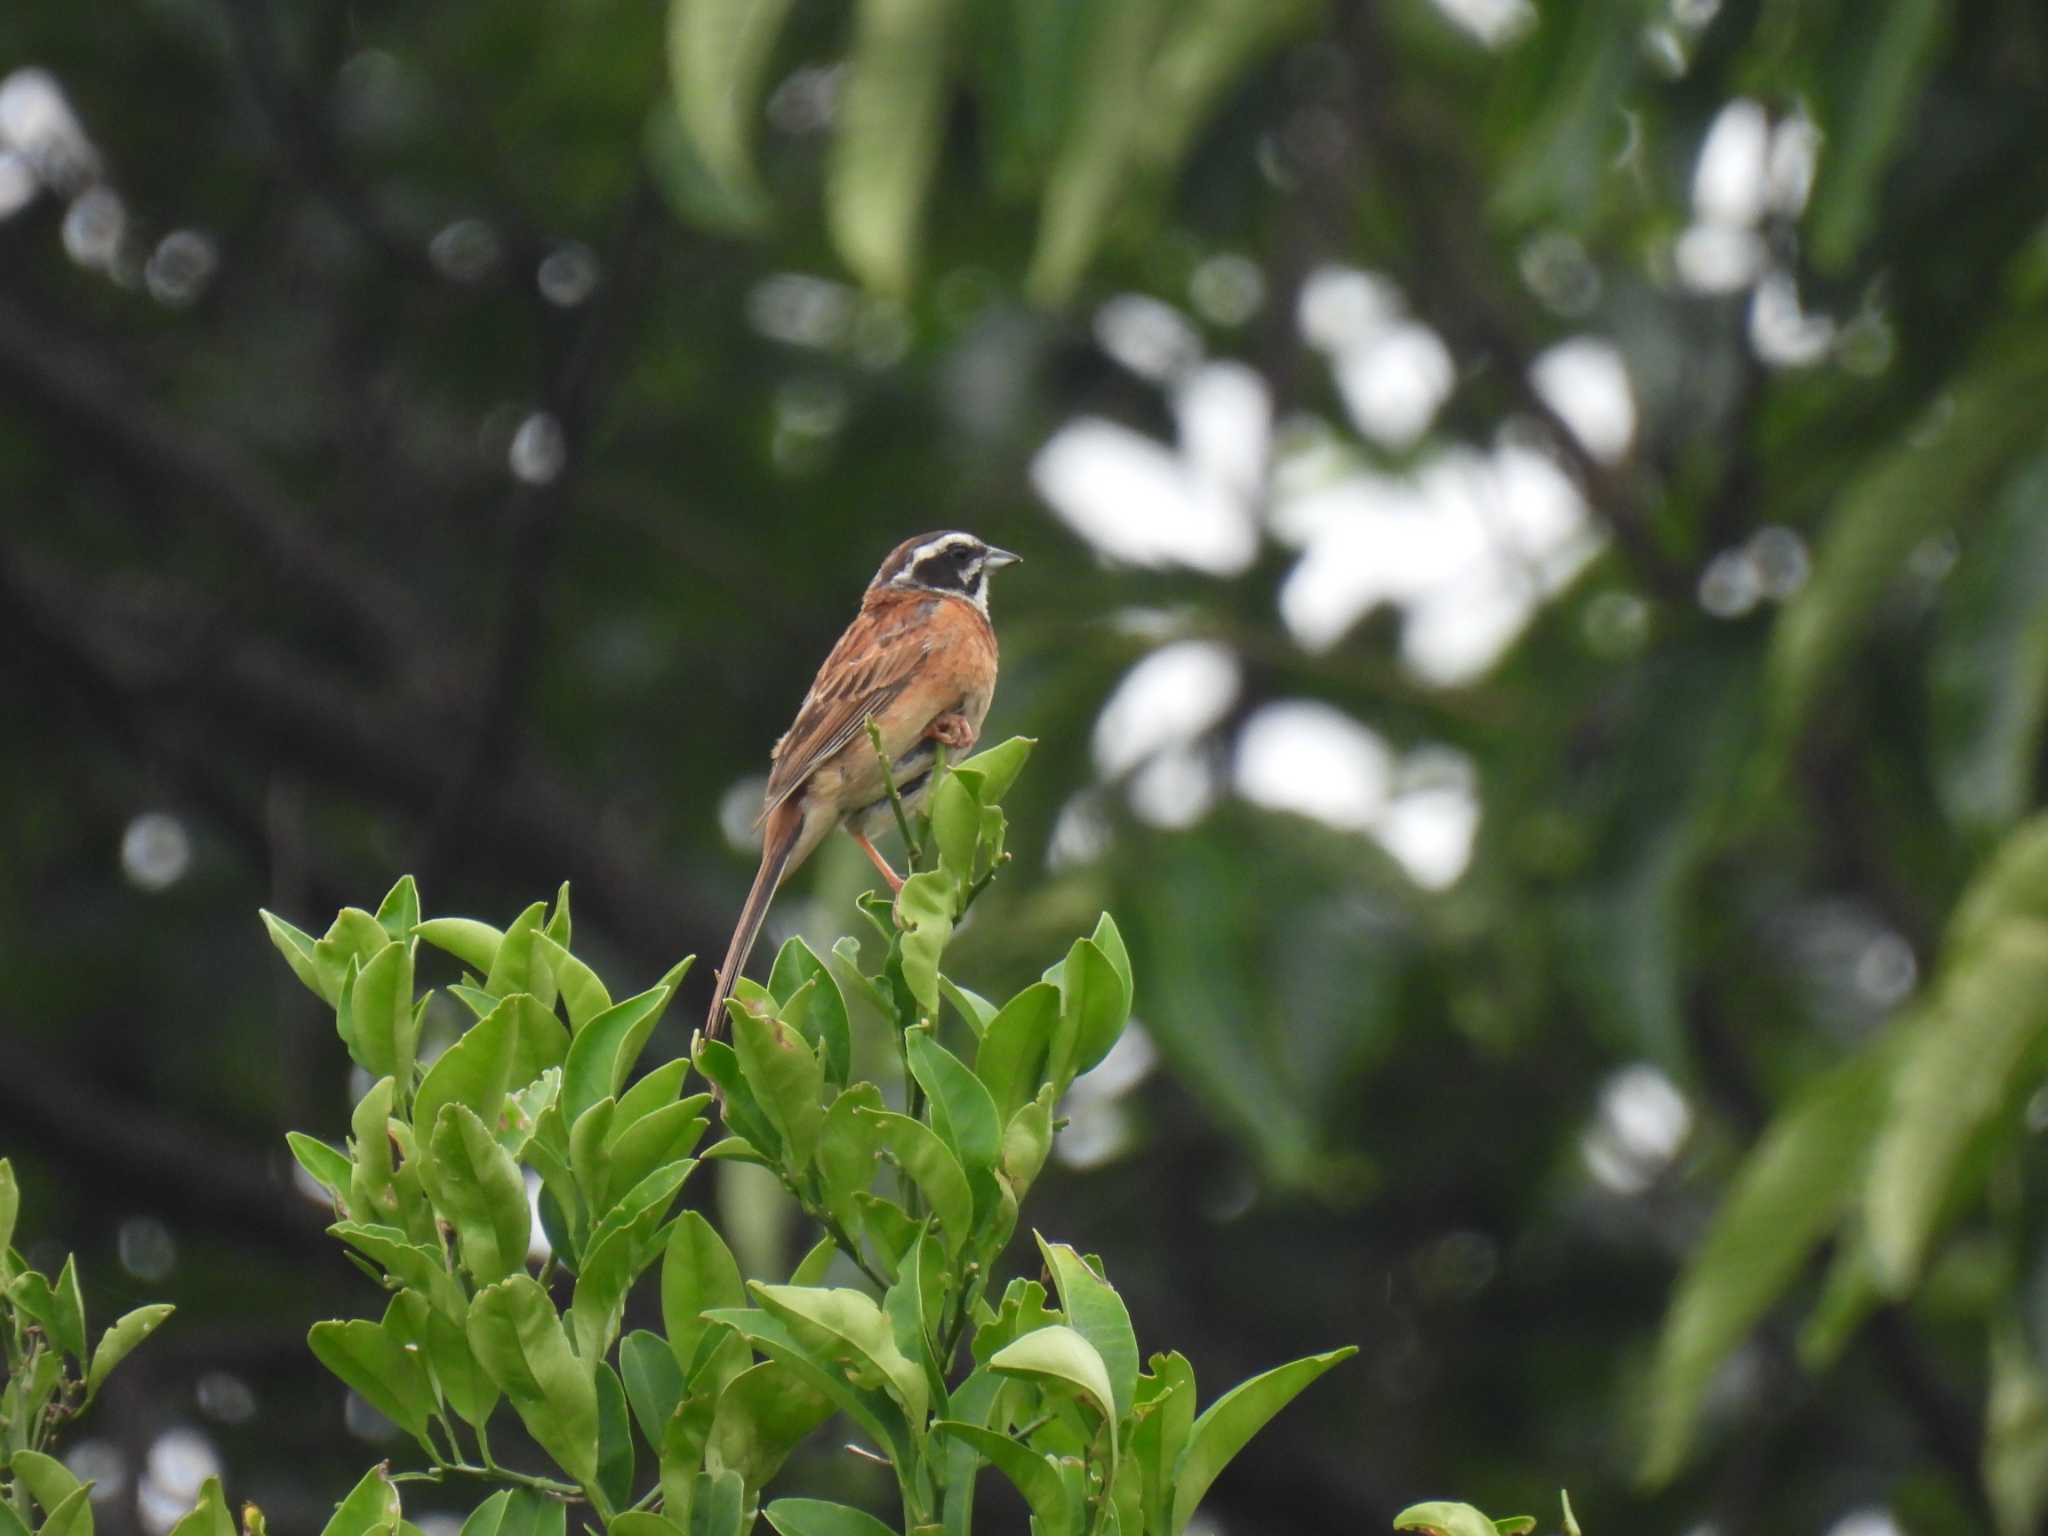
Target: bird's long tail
[784,825]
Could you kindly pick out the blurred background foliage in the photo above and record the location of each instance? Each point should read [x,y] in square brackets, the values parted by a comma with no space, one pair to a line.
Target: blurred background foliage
[1536,521]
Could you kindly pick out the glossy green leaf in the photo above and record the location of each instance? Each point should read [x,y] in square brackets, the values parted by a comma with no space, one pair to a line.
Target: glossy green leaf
[653,1381]
[1444,1519]
[847,1329]
[974,1008]
[667,1136]
[475,944]
[372,1198]
[1027,1140]
[962,1111]
[817,1360]
[208,1517]
[399,912]
[71,1515]
[998,767]
[605,1048]
[380,1369]
[1094,1005]
[326,1166]
[914,1303]
[1167,1401]
[925,907]
[763,1414]
[698,1273]
[51,1484]
[476,1186]
[1011,1061]
[583,994]
[297,947]
[371,1506]
[476,1071]
[518,1338]
[825,1024]
[787,1079]
[1033,1475]
[1098,1314]
[119,1341]
[620,1249]
[915,1148]
[956,825]
[816,1517]
[67,1317]
[382,1024]
[518,966]
[1060,1357]
[614,1440]
[1229,1423]
[644,1522]
[846,1151]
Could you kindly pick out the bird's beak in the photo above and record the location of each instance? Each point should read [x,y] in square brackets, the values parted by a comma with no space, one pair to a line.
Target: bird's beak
[996,559]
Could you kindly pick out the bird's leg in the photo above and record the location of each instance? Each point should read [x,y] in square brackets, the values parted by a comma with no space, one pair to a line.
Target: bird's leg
[952,730]
[874,854]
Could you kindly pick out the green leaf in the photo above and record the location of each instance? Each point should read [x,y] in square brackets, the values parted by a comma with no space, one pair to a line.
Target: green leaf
[718,1508]
[1905,495]
[1864,120]
[119,1341]
[71,1515]
[999,766]
[52,1485]
[1063,1358]
[1110,940]
[68,1322]
[327,1166]
[816,1359]
[476,1186]
[517,1512]
[643,1522]
[816,1517]
[963,1113]
[1034,1476]
[1228,1424]
[604,1050]
[518,1338]
[372,1198]
[974,1008]
[1789,1193]
[1094,1005]
[297,947]
[382,1033]
[763,1414]
[889,133]
[582,993]
[698,1273]
[614,1440]
[913,1304]
[918,1151]
[667,1136]
[825,1022]
[1027,1139]
[1988,680]
[847,952]
[10,1204]
[846,1151]
[1167,1400]
[372,1505]
[476,1071]
[463,1381]
[208,1517]
[1443,1519]
[718,56]
[620,1249]
[475,944]
[971,1403]
[1013,1051]
[925,907]
[656,1091]
[1959,1085]
[518,966]
[1098,1314]
[380,1369]
[399,912]
[787,1080]
[653,1381]
[956,824]
[846,1328]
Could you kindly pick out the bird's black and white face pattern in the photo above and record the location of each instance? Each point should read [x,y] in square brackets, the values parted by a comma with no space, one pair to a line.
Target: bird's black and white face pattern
[945,562]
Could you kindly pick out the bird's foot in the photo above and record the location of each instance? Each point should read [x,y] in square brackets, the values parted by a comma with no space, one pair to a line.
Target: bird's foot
[953,731]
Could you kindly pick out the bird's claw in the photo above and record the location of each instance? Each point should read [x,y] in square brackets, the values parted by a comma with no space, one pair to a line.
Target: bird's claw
[952,731]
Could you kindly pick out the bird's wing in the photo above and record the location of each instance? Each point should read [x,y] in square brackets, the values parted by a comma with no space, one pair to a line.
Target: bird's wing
[874,661]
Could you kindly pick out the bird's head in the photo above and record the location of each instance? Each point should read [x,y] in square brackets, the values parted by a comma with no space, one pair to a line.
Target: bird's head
[945,562]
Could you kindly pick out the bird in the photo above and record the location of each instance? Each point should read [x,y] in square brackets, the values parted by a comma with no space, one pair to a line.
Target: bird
[920,661]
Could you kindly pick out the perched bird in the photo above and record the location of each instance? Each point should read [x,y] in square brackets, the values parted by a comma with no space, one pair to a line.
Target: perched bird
[920,661]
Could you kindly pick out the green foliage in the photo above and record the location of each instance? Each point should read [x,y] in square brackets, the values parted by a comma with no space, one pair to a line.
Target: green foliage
[688,1426]
[52,1377]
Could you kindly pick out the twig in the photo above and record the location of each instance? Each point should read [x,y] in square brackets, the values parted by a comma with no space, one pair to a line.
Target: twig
[567,1492]
[910,849]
